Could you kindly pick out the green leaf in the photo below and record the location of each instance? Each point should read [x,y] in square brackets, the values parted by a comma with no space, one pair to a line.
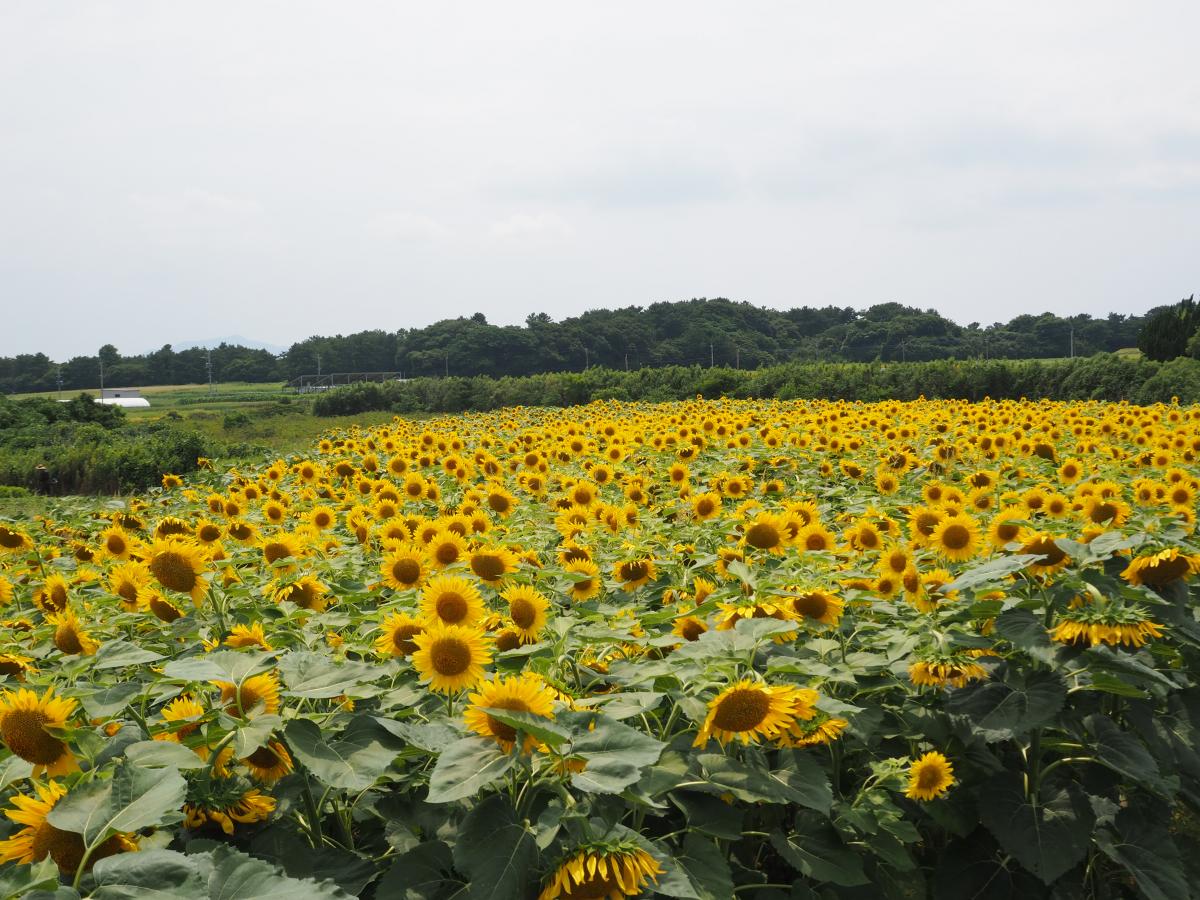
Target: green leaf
[799,780]
[283,845]
[495,851]
[163,755]
[1025,631]
[21,881]
[423,873]
[316,676]
[115,654]
[623,705]
[994,571]
[149,873]
[236,876]
[221,665]
[710,815]
[1141,844]
[108,702]
[254,733]
[706,868]
[465,767]
[428,736]
[133,798]
[999,710]
[819,854]
[538,727]
[1124,753]
[615,756]
[1048,839]
[352,761]
[14,769]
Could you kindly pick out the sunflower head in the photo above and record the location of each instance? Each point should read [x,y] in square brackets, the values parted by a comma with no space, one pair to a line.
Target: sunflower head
[524,693]
[527,610]
[451,657]
[24,717]
[929,777]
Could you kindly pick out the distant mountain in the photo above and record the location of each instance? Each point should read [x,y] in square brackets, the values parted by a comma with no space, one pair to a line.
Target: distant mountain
[233,340]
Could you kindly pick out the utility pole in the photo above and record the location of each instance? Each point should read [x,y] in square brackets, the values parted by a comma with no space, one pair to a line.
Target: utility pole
[1072,340]
[101,359]
[711,357]
[447,370]
[318,362]
[58,376]
[208,366]
[587,359]
[626,360]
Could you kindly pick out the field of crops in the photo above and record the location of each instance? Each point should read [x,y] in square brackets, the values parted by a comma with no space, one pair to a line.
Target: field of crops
[758,649]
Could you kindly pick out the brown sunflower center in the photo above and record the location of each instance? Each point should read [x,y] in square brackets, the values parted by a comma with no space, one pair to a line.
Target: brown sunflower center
[523,612]
[692,629]
[507,640]
[487,566]
[174,571]
[633,571]
[23,732]
[402,638]
[928,778]
[956,537]
[498,503]
[811,606]
[498,728]
[451,607]
[742,710]
[816,541]
[763,535]
[164,609]
[56,598]
[446,553]
[1102,512]
[450,656]
[263,758]
[10,539]
[273,551]
[66,639]
[209,533]
[705,507]
[115,544]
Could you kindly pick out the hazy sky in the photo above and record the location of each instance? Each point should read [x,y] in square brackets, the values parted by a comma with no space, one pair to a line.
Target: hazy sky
[173,171]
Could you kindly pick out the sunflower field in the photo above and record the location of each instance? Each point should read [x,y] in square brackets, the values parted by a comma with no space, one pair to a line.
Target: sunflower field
[773,650]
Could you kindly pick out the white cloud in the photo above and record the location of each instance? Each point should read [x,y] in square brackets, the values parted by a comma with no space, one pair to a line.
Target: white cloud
[406,226]
[526,227]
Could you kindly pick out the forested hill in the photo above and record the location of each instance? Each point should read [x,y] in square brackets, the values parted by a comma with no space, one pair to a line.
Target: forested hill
[718,331]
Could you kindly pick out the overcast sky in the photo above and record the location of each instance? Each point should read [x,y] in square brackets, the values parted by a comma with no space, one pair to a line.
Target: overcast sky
[172,172]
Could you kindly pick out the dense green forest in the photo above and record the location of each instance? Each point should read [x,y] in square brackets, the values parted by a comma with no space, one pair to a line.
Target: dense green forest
[701,332]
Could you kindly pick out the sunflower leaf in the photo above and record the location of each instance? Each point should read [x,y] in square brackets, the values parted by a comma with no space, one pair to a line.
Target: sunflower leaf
[495,851]
[1047,839]
[135,797]
[538,727]
[465,767]
[314,676]
[615,755]
[352,761]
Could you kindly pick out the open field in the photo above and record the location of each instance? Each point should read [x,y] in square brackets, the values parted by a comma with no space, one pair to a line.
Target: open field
[704,649]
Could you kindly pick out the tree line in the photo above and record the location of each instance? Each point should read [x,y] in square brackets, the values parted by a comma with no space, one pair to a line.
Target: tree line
[698,332]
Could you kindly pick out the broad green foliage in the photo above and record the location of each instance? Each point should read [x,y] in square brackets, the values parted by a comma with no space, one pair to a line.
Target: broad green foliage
[699,650]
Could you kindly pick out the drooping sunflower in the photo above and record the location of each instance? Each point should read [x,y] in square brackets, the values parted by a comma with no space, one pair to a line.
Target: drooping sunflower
[526,693]
[23,720]
[492,562]
[633,573]
[1112,624]
[929,777]
[16,666]
[451,600]
[1053,557]
[689,627]
[954,670]
[749,711]
[257,689]
[451,657]
[307,592]
[821,729]
[956,538]
[179,565]
[405,566]
[243,807]
[527,610]
[39,839]
[161,607]
[396,635]
[1161,568]
[69,635]
[602,872]
[269,763]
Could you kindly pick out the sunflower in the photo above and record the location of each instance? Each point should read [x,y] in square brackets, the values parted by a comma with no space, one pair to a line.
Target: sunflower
[895,560]
[955,538]
[816,538]
[1052,556]
[405,566]
[269,763]
[241,699]
[306,592]
[183,709]
[1086,626]
[6,591]
[242,532]
[178,565]
[451,600]
[1007,526]
[493,562]
[396,637]
[451,657]
[52,596]
[526,693]
[586,583]
[1162,568]
[527,610]
[815,605]
[706,506]
[69,636]
[750,710]
[281,551]
[23,720]
[602,872]
[633,573]
[689,628]
[14,541]
[15,666]
[929,777]
[246,808]
[500,501]
[446,548]
[116,542]
[766,531]
[39,839]
[251,635]
[732,613]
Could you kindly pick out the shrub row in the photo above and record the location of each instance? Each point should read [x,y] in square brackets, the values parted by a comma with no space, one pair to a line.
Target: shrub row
[1101,377]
